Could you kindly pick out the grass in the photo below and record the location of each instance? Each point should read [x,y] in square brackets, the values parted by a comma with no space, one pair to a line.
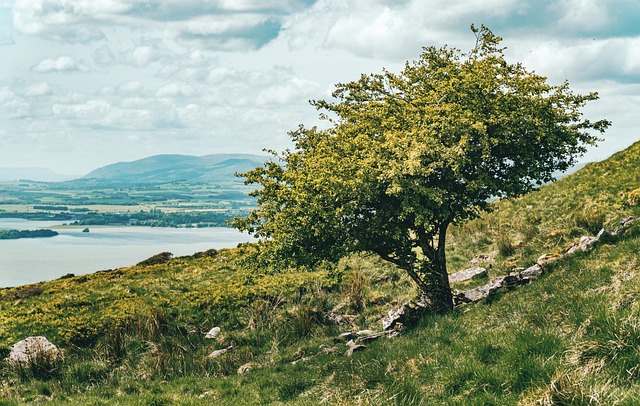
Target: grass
[136,335]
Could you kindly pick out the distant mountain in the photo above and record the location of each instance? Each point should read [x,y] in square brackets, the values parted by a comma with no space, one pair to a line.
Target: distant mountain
[34,174]
[173,168]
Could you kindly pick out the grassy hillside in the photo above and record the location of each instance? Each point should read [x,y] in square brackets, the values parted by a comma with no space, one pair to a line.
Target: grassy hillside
[137,335]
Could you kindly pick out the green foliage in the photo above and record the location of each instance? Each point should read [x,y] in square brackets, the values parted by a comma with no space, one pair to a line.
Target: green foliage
[17,234]
[408,154]
[633,197]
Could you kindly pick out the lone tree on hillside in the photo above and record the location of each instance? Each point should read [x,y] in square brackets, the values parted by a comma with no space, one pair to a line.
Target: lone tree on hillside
[407,154]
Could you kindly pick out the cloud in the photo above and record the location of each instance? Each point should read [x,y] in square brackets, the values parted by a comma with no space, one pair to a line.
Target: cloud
[224,24]
[37,89]
[103,56]
[584,60]
[60,64]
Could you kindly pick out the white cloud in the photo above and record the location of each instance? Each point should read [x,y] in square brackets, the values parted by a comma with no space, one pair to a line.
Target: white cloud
[584,15]
[131,87]
[60,64]
[174,90]
[38,89]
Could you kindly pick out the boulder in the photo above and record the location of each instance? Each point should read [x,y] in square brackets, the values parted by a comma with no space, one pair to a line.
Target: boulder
[33,349]
[466,274]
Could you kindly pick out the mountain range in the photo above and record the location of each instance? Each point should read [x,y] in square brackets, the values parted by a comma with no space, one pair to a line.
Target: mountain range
[173,168]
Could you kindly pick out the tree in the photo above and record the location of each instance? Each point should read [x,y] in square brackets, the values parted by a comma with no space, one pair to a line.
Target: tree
[405,155]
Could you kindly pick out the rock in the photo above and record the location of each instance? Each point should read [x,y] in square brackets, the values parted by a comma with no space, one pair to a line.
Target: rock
[213,332]
[467,274]
[625,223]
[371,337]
[218,353]
[586,243]
[548,258]
[364,333]
[406,314]
[481,292]
[246,368]
[33,349]
[532,272]
[344,337]
[327,349]
[353,347]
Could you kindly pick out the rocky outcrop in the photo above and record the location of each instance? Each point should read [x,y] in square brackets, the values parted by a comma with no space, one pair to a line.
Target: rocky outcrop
[33,350]
[524,276]
[466,274]
[406,314]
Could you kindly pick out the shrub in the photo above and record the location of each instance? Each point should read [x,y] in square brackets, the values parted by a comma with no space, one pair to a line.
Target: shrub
[591,217]
[160,258]
[633,197]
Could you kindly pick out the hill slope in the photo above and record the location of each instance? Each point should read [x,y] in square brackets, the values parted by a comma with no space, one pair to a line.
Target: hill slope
[171,168]
[137,335]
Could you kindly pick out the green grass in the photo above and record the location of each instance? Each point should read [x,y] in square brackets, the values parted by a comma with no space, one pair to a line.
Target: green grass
[136,335]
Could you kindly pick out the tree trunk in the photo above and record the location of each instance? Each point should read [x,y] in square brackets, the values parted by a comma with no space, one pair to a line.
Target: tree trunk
[438,292]
[433,271]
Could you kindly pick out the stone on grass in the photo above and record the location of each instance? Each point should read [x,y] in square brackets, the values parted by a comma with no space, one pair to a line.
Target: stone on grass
[218,353]
[213,332]
[33,349]
[466,274]
[353,347]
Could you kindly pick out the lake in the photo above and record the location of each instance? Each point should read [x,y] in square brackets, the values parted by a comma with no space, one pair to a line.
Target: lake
[31,260]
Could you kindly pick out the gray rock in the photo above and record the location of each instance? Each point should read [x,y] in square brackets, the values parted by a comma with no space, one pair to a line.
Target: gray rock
[532,272]
[406,314]
[370,337]
[350,335]
[218,353]
[213,332]
[353,347]
[586,243]
[33,349]
[467,274]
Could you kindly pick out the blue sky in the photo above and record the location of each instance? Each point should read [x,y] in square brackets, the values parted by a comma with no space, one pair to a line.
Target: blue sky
[86,83]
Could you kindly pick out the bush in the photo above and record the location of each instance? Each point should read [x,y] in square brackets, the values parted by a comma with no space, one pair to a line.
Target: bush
[591,217]
[633,197]
[160,258]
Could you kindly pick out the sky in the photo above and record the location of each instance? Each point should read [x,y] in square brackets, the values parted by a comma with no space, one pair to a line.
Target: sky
[86,83]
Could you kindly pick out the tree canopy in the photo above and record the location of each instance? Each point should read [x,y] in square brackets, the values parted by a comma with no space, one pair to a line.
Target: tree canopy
[406,154]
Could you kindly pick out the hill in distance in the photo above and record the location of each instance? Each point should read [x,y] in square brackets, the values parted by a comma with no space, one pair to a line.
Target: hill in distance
[174,168]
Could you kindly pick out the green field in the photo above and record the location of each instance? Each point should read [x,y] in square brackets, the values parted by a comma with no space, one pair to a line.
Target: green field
[89,203]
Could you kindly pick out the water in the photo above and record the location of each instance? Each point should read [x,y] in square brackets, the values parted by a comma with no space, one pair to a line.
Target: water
[31,260]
